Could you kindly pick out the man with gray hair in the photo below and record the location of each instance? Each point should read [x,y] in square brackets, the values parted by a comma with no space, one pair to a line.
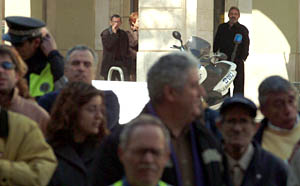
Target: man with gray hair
[279,130]
[175,98]
[80,66]
[144,151]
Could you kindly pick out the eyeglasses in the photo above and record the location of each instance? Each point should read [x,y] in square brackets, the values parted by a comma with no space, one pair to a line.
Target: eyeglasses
[156,153]
[7,65]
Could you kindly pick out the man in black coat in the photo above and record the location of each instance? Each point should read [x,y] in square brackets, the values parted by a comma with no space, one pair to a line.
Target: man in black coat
[115,48]
[224,42]
[249,164]
[175,98]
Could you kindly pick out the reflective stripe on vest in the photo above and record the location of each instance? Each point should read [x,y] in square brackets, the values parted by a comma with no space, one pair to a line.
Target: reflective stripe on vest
[41,84]
[120,183]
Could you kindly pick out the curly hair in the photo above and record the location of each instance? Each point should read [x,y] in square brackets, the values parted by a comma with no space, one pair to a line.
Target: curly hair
[65,114]
[21,69]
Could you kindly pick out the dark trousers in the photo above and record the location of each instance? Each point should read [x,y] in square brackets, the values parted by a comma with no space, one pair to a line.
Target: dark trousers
[239,81]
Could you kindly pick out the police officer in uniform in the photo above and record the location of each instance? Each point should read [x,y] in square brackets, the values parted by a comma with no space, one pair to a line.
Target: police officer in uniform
[38,49]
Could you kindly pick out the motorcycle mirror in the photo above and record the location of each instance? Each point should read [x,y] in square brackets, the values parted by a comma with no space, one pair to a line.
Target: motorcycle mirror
[177,35]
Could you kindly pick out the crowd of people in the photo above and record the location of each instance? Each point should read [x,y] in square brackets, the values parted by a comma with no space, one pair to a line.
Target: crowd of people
[57,129]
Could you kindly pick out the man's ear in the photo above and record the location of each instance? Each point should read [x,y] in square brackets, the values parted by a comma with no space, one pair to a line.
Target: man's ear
[66,68]
[169,93]
[37,42]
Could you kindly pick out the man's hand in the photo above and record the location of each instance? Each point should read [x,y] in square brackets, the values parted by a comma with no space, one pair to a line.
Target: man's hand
[115,27]
[48,43]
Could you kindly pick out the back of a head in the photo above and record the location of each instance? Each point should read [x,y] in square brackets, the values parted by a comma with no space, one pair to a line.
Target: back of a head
[273,84]
[172,70]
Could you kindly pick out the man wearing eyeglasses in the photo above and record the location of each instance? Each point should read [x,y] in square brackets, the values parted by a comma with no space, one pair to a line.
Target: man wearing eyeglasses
[115,48]
[144,151]
[38,49]
[249,164]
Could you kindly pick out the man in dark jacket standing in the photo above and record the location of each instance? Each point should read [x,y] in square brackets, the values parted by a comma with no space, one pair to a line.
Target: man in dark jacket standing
[175,98]
[249,164]
[115,48]
[224,42]
[38,49]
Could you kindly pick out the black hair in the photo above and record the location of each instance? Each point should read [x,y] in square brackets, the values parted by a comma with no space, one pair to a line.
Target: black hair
[115,16]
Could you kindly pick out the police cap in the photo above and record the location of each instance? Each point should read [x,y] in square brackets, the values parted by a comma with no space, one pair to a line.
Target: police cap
[22,28]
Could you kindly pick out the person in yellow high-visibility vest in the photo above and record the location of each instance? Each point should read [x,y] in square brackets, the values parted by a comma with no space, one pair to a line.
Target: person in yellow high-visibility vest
[38,49]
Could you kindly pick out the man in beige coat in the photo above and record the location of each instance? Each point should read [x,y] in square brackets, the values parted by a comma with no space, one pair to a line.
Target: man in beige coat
[25,157]
[14,94]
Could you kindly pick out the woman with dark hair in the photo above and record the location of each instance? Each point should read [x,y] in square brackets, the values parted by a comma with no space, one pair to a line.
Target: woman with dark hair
[14,93]
[76,127]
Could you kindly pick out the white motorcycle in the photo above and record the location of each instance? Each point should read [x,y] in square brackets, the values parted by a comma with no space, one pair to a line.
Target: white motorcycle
[216,74]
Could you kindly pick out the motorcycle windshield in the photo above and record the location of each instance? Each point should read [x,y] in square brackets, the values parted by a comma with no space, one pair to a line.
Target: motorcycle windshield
[198,47]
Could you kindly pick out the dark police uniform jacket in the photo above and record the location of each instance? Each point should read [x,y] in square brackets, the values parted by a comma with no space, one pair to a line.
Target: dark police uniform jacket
[38,62]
